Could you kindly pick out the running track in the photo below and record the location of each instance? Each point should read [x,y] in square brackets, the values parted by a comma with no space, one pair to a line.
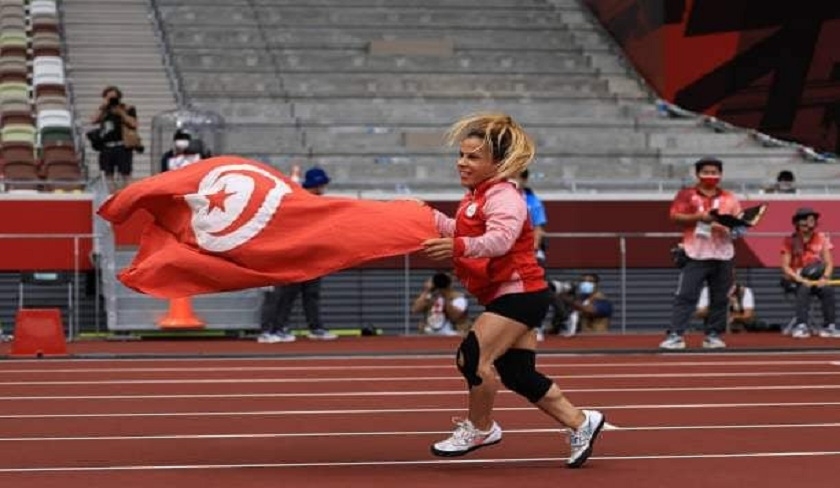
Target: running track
[684,420]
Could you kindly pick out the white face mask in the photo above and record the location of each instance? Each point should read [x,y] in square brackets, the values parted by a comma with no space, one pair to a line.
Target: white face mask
[182,144]
[586,287]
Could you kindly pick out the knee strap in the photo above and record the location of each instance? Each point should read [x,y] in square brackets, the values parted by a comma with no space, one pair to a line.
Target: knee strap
[517,370]
[467,361]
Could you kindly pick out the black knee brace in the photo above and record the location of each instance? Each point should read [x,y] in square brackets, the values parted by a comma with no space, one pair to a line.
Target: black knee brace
[517,370]
[467,361]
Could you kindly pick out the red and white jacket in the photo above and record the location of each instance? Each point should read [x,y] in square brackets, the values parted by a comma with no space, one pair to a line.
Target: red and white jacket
[494,242]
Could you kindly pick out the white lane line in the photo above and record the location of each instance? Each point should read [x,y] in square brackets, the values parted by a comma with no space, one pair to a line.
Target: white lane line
[390,367]
[183,381]
[416,462]
[368,411]
[279,435]
[459,392]
[547,351]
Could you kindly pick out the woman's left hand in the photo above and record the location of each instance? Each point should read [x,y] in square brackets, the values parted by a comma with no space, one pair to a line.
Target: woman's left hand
[439,248]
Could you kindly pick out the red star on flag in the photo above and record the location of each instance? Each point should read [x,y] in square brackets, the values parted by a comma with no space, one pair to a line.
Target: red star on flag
[217,200]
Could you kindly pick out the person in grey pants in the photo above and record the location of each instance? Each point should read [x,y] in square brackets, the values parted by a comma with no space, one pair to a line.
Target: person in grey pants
[709,254]
[278,305]
[278,302]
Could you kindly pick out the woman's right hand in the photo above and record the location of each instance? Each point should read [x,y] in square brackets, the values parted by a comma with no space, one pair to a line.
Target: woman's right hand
[439,248]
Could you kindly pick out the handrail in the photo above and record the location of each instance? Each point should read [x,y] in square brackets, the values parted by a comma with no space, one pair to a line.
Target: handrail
[174,76]
[78,138]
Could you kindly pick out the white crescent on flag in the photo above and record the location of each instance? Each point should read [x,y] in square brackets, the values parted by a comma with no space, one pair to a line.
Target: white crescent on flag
[222,198]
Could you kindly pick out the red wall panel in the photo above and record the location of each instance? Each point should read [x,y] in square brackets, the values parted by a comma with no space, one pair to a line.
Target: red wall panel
[590,216]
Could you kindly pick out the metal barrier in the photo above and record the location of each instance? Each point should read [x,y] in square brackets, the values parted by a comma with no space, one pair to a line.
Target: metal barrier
[621,241]
[408,275]
[73,327]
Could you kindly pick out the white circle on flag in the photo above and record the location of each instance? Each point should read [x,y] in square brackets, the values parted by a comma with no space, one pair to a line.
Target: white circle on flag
[223,196]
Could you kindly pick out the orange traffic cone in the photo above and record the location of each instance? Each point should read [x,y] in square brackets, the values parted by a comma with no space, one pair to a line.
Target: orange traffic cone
[39,332]
[180,315]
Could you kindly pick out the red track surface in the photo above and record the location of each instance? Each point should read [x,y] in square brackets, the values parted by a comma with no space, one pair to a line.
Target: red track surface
[297,419]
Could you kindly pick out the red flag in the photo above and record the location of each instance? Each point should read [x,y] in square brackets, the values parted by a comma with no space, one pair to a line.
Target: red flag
[228,223]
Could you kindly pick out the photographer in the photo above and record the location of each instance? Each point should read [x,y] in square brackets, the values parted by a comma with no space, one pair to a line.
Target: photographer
[444,309]
[116,138]
[591,309]
[741,315]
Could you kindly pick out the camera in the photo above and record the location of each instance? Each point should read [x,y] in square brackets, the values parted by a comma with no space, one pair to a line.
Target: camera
[563,287]
[113,102]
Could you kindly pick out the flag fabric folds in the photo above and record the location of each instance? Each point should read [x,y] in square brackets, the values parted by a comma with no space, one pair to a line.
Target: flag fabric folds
[228,223]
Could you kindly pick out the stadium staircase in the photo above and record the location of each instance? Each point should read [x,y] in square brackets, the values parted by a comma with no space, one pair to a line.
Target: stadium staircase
[114,43]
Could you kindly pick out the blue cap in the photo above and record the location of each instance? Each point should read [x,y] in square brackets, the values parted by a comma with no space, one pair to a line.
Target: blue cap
[315,177]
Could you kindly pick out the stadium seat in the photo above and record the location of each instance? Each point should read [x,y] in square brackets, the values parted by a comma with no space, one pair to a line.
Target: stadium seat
[8,117]
[21,176]
[14,69]
[63,175]
[13,42]
[12,22]
[46,43]
[60,152]
[15,106]
[18,153]
[54,118]
[14,90]
[18,133]
[51,102]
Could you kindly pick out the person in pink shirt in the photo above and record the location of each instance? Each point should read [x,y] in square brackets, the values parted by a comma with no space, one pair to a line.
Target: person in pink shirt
[807,264]
[709,253]
[491,244]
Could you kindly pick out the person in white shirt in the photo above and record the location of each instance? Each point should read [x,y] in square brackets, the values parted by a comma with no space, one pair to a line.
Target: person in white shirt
[741,314]
[182,153]
[444,309]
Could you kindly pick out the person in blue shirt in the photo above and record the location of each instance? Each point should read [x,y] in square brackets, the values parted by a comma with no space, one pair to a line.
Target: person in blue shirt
[537,216]
[536,213]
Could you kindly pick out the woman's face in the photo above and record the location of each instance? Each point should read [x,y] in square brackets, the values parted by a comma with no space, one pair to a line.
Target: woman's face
[475,162]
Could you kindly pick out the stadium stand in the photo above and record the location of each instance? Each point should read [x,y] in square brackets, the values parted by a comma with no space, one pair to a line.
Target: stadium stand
[36,124]
[365,88]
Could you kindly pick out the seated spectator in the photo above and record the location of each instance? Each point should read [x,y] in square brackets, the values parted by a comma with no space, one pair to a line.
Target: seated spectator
[807,266]
[444,309]
[591,309]
[785,183]
[183,153]
[741,315]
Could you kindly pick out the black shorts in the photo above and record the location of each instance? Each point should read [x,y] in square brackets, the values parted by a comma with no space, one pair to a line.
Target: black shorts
[116,159]
[526,308]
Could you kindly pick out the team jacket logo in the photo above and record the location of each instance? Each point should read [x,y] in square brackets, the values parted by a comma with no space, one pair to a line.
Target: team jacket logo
[233,204]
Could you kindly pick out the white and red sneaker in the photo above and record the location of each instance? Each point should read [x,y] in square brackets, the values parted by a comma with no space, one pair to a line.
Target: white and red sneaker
[466,438]
[583,439]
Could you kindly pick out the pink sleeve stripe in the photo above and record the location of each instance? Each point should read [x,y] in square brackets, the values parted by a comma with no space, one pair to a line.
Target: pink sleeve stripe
[445,225]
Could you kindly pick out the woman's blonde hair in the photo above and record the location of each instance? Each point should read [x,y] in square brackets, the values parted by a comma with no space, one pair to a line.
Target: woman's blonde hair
[507,140]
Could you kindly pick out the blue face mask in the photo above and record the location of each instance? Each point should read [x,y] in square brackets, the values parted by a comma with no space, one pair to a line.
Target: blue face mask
[586,287]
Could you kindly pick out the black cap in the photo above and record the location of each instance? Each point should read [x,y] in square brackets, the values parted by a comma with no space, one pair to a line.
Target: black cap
[785,175]
[804,213]
[708,161]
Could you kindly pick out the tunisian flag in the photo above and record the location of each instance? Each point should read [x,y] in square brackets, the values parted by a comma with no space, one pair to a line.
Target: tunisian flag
[228,223]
